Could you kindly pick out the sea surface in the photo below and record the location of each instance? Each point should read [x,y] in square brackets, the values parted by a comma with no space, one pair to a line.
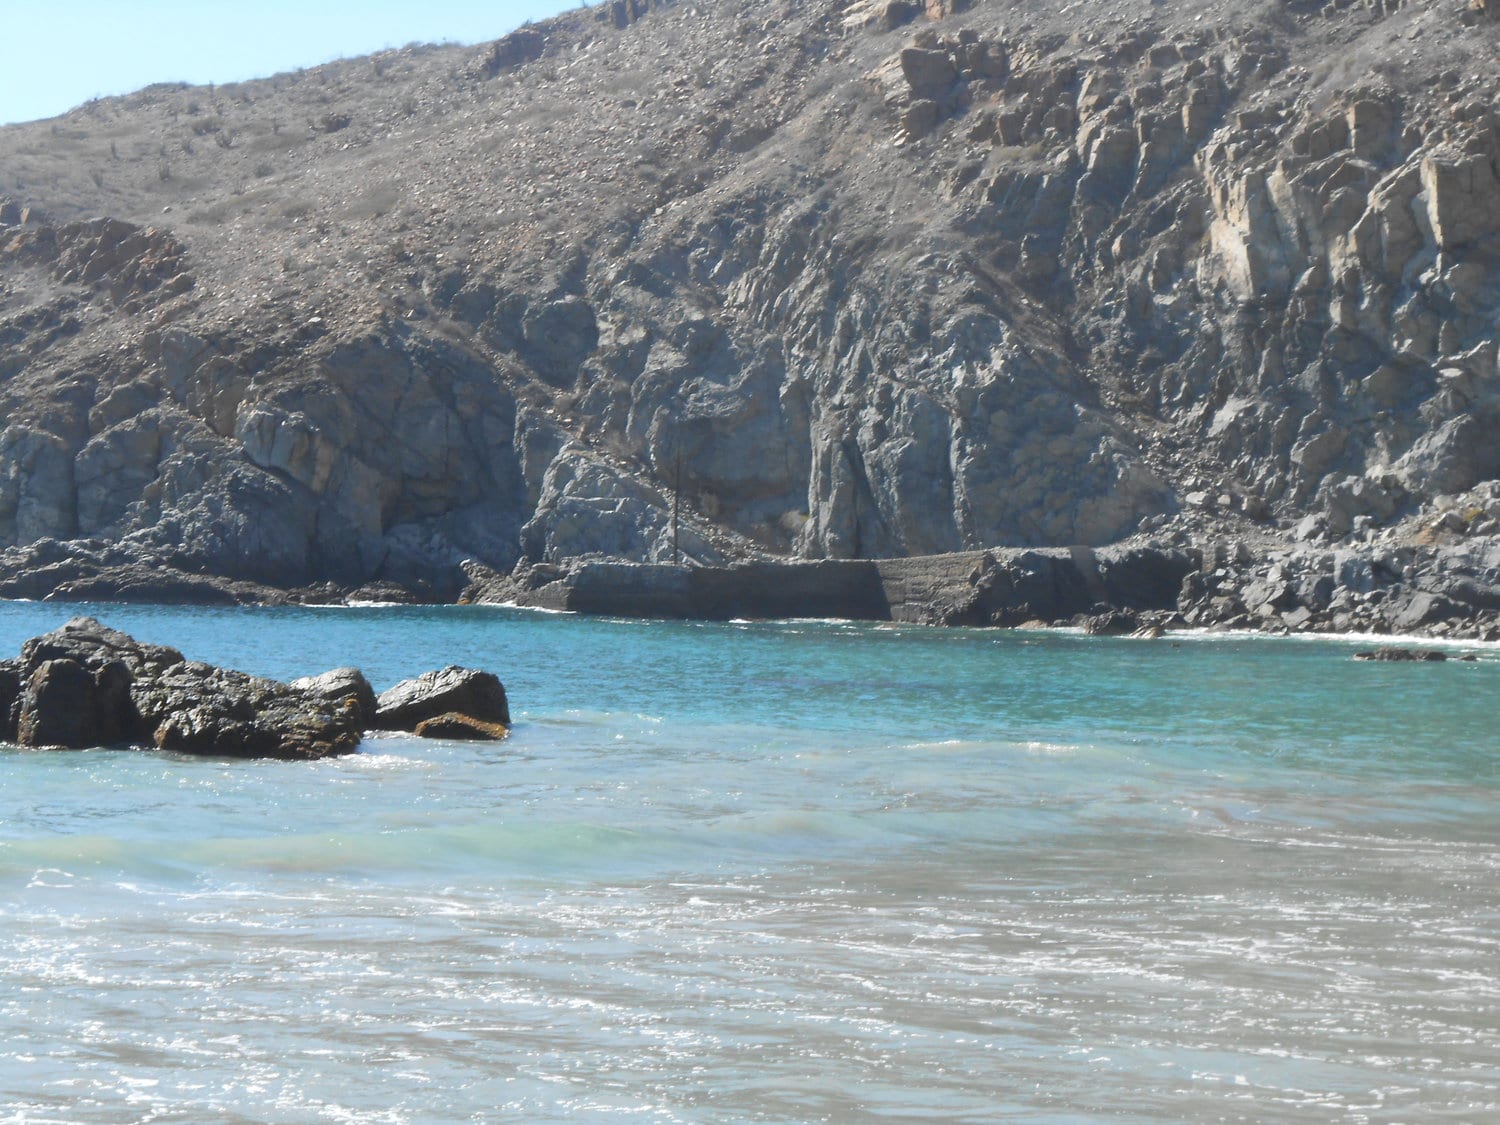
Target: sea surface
[771,872]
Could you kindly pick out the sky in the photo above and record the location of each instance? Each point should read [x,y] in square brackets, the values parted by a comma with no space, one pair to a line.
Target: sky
[60,54]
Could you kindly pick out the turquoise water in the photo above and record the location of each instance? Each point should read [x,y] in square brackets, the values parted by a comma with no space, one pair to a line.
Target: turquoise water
[771,872]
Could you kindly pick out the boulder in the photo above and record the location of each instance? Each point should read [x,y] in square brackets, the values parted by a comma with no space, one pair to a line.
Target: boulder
[920,118]
[1110,623]
[929,73]
[346,688]
[1144,577]
[10,693]
[463,728]
[387,593]
[894,14]
[1453,457]
[57,707]
[195,708]
[465,691]
[66,704]
[1474,592]
[942,9]
[1402,655]
[94,645]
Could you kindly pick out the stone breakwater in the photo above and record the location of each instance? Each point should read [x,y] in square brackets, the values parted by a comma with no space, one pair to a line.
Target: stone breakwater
[85,685]
[999,587]
[1449,590]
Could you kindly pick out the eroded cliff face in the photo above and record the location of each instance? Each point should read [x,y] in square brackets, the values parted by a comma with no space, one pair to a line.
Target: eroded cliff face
[826,279]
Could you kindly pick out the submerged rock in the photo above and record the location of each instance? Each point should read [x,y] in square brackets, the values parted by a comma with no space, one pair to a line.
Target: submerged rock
[1403,655]
[461,727]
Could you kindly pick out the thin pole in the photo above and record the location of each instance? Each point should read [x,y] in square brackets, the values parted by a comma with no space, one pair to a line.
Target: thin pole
[676,503]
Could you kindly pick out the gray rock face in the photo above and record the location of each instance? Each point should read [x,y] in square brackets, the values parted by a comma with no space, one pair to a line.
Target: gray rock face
[464,691]
[37,491]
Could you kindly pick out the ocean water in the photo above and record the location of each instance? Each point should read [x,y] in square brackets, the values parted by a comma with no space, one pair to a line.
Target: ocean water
[771,872]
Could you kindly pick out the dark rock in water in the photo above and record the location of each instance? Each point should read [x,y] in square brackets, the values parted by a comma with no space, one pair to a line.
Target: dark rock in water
[392,593]
[462,728]
[199,709]
[87,685]
[10,694]
[479,695]
[1402,655]
[91,571]
[57,707]
[346,688]
[64,703]
[1110,623]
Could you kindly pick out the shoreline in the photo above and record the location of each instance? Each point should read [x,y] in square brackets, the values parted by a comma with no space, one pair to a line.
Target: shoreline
[1196,634]
[1379,593]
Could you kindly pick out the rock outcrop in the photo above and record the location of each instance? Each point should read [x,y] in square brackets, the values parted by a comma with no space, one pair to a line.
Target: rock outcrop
[1440,591]
[85,685]
[734,283]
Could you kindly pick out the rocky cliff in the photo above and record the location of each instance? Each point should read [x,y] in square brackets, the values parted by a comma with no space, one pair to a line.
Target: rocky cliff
[809,278]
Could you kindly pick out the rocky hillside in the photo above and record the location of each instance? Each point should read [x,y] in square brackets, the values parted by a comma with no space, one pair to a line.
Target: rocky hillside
[815,278]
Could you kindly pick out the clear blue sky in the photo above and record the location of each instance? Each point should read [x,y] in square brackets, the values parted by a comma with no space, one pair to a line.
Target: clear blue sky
[59,54]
